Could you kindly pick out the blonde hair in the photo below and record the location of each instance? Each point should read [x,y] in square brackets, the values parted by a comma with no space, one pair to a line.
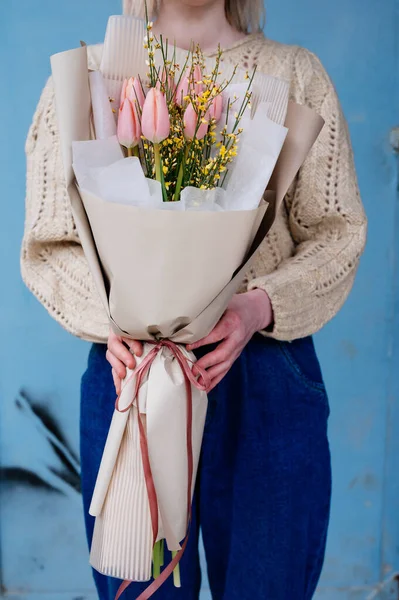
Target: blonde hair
[247,16]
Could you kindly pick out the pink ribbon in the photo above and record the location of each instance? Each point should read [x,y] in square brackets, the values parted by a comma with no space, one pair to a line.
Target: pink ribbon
[189,379]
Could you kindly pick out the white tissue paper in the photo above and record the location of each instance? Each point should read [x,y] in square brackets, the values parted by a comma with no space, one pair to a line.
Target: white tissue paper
[101,169]
[103,117]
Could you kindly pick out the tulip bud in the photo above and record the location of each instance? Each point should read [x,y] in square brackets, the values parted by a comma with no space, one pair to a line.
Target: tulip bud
[167,81]
[182,90]
[216,107]
[155,120]
[129,130]
[191,123]
[123,92]
[197,80]
[134,91]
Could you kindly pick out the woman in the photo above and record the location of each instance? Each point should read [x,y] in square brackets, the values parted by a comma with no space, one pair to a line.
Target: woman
[263,490]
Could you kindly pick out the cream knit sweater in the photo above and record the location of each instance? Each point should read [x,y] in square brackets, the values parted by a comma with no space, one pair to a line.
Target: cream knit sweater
[306,264]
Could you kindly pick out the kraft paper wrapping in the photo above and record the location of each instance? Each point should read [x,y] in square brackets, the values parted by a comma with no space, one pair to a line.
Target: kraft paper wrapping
[73,111]
[200,260]
[120,500]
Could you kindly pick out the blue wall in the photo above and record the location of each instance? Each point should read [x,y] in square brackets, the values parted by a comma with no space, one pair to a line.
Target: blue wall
[42,541]
[43,548]
[358,43]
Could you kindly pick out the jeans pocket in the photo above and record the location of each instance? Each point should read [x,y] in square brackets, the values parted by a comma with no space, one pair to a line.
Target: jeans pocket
[300,356]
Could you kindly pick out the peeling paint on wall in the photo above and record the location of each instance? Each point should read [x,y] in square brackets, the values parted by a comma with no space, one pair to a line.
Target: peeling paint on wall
[49,462]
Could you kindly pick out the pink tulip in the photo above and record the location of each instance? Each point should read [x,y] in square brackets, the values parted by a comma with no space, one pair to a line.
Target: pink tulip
[155,120]
[191,122]
[129,130]
[216,107]
[123,92]
[197,77]
[133,90]
[171,82]
[182,90]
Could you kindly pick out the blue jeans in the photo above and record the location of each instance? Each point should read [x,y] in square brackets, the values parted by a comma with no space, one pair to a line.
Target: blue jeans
[264,483]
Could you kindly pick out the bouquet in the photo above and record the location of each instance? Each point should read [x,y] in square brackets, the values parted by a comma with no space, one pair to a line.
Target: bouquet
[168,156]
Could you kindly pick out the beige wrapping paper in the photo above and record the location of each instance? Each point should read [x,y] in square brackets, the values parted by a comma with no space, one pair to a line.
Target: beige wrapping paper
[159,274]
[122,539]
[120,500]
[73,109]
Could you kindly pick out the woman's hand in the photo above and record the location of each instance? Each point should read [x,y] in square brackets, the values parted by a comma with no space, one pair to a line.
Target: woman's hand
[120,357]
[247,313]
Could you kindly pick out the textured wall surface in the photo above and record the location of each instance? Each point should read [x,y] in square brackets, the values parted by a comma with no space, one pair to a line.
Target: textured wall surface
[42,545]
[358,43]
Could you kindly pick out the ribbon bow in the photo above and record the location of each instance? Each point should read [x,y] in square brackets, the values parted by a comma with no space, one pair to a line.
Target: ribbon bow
[202,382]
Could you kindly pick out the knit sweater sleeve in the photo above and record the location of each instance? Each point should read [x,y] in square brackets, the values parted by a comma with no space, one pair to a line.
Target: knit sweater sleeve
[53,265]
[325,216]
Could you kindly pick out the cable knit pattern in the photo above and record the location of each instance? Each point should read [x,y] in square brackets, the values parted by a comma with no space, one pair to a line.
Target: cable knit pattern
[306,264]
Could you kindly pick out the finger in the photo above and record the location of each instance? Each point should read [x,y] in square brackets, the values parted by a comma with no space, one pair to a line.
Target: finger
[135,346]
[116,347]
[211,359]
[219,333]
[116,364]
[220,369]
[117,382]
[216,373]
[220,355]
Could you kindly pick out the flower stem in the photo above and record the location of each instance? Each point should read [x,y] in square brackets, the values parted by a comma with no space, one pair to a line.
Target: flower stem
[136,151]
[181,174]
[176,573]
[158,171]
[157,155]
[156,560]
[162,552]
[130,151]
